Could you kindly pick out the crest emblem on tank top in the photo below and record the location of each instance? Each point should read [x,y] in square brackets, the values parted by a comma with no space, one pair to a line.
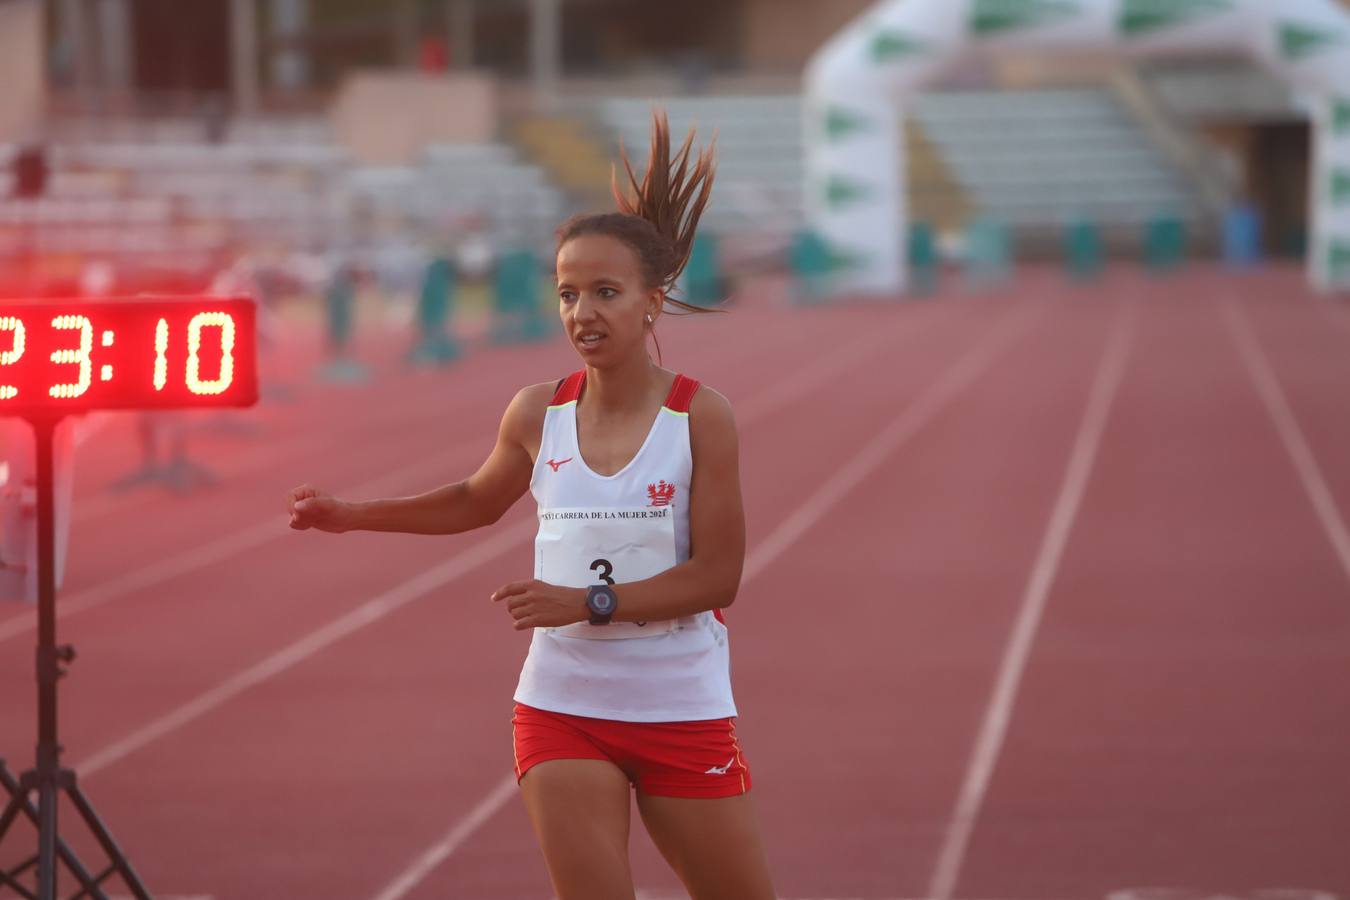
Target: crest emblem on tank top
[660,493]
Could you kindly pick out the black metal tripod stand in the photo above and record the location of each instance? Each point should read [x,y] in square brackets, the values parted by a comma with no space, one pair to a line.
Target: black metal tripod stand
[48,778]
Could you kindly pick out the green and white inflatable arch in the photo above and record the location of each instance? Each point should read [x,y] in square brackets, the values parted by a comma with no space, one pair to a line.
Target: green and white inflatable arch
[856,85]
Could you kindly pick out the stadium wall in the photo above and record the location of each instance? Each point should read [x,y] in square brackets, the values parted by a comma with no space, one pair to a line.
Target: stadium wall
[21,72]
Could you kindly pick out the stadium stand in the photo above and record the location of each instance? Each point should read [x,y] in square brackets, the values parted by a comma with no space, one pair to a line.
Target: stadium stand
[1047,157]
[284,183]
[1033,159]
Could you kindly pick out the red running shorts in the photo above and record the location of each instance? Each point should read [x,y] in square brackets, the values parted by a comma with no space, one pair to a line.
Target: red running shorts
[701,760]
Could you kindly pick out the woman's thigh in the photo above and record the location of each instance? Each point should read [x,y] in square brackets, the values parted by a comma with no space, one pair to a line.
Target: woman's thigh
[579,809]
[713,845]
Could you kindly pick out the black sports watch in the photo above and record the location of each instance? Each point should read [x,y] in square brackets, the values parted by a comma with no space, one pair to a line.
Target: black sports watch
[602,602]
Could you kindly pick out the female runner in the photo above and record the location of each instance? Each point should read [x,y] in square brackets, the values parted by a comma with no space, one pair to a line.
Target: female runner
[640,545]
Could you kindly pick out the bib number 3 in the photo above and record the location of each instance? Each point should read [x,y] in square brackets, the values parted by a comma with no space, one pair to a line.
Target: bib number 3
[577,547]
[605,572]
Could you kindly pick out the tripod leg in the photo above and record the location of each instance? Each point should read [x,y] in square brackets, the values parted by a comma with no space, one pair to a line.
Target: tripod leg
[16,803]
[105,840]
[47,840]
[63,851]
[18,799]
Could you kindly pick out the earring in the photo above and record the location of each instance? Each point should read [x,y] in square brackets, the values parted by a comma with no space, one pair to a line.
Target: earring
[649,318]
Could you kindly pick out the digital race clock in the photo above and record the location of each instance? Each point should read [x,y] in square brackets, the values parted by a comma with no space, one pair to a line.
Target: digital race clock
[65,357]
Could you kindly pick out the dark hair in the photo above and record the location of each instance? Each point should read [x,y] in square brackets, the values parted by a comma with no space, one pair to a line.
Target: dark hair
[660,217]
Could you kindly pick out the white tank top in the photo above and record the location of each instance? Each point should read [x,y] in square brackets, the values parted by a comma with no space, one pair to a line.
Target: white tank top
[618,528]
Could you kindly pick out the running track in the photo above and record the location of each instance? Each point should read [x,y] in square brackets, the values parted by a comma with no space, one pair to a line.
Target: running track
[1048,597]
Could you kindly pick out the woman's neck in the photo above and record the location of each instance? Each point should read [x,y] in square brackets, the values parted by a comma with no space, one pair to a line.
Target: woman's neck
[621,388]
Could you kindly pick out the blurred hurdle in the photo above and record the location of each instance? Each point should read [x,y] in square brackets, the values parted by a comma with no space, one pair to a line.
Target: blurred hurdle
[1165,243]
[518,314]
[810,263]
[704,283]
[1083,252]
[340,321]
[923,259]
[988,256]
[164,456]
[432,342]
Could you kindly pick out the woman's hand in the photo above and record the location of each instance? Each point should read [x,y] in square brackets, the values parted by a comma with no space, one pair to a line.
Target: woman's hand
[534,604]
[311,508]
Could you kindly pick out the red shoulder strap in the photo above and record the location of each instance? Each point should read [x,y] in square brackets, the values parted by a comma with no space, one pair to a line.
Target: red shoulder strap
[569,388]
[681,394]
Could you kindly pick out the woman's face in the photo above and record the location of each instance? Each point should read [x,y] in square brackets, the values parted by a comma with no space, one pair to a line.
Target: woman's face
[603,300]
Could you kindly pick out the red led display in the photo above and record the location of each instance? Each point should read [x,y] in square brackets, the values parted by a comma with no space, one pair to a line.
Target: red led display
[166,353]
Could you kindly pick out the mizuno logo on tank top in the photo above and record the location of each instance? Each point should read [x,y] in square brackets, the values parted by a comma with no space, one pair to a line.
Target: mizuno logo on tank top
[555,466]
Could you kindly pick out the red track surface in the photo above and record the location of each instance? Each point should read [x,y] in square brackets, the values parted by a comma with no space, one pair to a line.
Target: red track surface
[1180,720]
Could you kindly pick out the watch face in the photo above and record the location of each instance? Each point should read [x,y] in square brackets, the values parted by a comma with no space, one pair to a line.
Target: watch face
[603,601]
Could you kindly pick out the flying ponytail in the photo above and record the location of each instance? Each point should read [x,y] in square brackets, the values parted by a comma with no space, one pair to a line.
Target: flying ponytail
[659,214]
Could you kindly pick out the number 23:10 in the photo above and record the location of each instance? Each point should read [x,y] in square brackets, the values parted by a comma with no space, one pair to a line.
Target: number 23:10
[80,356]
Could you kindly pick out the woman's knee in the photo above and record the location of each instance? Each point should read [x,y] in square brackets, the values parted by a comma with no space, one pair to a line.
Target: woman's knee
[580,811]
[714,846]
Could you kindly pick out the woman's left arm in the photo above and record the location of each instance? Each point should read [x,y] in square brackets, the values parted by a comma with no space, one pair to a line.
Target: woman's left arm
[711,575]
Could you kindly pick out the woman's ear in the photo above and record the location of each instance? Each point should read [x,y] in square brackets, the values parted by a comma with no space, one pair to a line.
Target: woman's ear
[654,306]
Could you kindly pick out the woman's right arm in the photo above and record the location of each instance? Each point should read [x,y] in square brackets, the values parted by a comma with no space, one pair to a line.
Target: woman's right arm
[479,500]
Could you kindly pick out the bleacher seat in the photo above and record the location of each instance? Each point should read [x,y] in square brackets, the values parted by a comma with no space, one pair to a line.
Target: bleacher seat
[1029,158]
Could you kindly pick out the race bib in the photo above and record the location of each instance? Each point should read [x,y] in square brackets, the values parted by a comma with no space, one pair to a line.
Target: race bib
[581,547]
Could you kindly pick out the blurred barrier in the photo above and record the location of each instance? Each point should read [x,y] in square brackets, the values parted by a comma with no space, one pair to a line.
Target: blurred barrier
[1165,241]
[810,264]
[340,318]
[988,253]
[923,258]
[433,342]
[705,285]
[518,314]
[1083,251]
[164,456]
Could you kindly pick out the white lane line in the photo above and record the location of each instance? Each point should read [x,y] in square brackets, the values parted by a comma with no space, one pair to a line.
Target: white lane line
[908,423]
[223,548]
[463,830]
[395,598]
[276,452]
[1291,435]
[994,727]
[274,527]
[914,417]
[371,611]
